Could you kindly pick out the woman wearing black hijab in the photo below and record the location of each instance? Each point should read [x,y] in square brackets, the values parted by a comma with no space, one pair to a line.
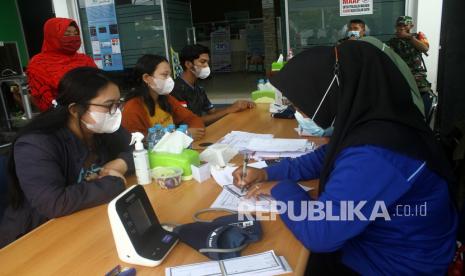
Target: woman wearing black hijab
[384,204]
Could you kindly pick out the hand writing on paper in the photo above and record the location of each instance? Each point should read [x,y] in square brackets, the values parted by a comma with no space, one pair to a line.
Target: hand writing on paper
[259,189]
[253,176]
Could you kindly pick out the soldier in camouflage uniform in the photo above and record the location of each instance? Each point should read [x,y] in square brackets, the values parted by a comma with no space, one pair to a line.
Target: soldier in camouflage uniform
[410,47]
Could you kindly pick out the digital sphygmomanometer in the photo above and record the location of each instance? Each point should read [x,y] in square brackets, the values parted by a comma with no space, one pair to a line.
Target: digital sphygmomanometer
[139,237]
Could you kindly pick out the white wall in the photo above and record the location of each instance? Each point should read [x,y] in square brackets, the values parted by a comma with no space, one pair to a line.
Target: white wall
[68,9]
[427,17]
[61,8]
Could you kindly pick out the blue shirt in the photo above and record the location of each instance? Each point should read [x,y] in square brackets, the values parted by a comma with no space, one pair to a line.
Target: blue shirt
[420,236]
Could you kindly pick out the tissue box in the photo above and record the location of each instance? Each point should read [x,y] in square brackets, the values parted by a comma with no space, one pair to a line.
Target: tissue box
[183,160]
[263,96]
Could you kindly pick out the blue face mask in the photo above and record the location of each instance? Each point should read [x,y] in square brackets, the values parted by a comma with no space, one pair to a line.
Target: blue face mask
[308,125]
[355,34]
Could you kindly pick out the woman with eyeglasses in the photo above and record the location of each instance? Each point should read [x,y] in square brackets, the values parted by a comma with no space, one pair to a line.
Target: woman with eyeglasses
[71,157]
[150,102]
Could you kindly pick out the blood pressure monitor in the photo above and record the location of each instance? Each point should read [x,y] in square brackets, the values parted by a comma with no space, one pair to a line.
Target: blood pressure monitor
[139,237]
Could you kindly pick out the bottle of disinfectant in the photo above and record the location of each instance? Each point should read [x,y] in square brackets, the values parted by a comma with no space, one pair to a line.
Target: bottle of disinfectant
[141,159]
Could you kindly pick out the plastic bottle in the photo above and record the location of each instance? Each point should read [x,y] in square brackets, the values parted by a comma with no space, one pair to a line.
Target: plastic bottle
[171,128]
[268,86]
[141,159]
[261,84]
[158,134]
[183,128]
[151,138]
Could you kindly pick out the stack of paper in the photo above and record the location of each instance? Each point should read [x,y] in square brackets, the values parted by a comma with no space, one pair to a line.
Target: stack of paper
[232,198]
[277,148]
[266,263]
[239,139]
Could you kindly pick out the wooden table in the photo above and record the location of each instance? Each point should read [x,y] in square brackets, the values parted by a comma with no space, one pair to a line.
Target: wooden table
[82,243]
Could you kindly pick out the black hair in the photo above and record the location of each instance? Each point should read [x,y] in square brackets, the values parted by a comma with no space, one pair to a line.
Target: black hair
[147,64]
[79,86]
[191,53]
[357,21]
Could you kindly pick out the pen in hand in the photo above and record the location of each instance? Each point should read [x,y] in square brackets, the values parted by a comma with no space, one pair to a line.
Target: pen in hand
[244,171]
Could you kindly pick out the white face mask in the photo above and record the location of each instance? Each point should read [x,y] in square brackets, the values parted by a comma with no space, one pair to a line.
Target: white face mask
[104,122]
[201,73]
[162,87]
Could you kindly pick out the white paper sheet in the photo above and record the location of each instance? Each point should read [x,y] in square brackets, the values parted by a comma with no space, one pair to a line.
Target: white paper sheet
[199,269]
[223,176]
[257,264]
[240,139]
[259,155]
[266,264]
[232,198]
[278,145]
[235,202]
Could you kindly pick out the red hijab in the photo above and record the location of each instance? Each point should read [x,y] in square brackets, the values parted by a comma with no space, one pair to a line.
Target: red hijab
[46,69]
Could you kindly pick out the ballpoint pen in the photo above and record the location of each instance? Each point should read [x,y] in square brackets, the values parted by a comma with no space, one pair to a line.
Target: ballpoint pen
[244,171]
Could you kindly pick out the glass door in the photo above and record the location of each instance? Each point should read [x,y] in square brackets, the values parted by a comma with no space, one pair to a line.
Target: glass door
[318,22]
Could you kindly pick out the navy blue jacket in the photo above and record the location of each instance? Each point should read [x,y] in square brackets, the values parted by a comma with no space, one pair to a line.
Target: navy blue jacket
[418,239]
[48,168]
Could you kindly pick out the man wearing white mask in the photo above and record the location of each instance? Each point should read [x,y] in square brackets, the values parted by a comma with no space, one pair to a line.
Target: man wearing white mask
[194,60]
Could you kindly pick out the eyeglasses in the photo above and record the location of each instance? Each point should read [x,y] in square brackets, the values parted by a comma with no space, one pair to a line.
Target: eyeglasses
[112,108]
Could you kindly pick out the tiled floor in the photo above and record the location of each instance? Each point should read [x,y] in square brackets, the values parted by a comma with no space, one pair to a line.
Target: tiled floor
[225,88]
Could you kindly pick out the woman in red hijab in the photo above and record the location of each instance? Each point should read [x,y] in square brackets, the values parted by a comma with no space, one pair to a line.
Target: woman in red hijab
[58,56]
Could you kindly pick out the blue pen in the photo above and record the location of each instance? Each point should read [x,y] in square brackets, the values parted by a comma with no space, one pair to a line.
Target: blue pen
[118,271]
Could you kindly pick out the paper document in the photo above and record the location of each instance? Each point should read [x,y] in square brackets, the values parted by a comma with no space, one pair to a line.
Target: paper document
[260,155]
[200,269]
[266,263]
[232,198]
[278,145]
[223,176]
[239,139]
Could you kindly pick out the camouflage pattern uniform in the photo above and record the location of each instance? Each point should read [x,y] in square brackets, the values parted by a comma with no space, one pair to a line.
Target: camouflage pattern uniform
[404,48]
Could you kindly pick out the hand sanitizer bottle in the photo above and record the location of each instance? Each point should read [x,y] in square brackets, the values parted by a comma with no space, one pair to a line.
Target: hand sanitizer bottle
[141,159]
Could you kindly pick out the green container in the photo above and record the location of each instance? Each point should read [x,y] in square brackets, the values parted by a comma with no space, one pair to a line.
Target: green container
[183,160]
[277,66]
[263,96]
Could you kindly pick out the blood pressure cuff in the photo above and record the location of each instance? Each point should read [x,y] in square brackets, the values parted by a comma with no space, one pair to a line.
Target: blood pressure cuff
[222,238]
